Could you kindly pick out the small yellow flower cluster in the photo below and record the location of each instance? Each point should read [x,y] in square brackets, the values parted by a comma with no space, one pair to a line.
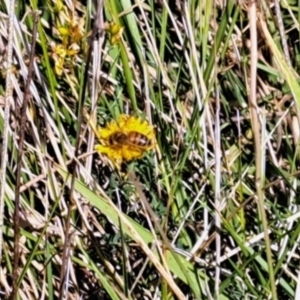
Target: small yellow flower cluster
[125,139]
[71,34]
[115,32]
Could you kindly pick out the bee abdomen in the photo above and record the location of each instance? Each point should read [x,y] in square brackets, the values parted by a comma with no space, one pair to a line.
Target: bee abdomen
[138,139]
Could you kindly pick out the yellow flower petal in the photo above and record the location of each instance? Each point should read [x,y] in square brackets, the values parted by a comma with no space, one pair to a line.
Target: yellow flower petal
[63,31]
[116,32]
[59,63]
[60,50]
[130,153]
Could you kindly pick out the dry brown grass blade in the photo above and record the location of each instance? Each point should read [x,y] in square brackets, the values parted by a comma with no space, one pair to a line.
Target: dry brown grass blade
[257,132]
[22,128]
[8,101]
[97,61]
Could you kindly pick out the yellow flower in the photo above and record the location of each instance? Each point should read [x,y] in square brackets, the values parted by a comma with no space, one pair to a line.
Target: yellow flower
[72,28]
[125,139]
[60,53]
[115,32]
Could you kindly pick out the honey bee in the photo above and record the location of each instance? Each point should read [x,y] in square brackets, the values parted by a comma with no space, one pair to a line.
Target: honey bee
[131,138]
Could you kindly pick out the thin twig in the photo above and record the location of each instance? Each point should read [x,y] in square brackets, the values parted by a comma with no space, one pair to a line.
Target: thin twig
[23,119]
[218,195]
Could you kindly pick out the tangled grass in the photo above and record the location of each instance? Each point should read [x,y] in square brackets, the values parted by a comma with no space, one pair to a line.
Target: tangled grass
[212,213]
